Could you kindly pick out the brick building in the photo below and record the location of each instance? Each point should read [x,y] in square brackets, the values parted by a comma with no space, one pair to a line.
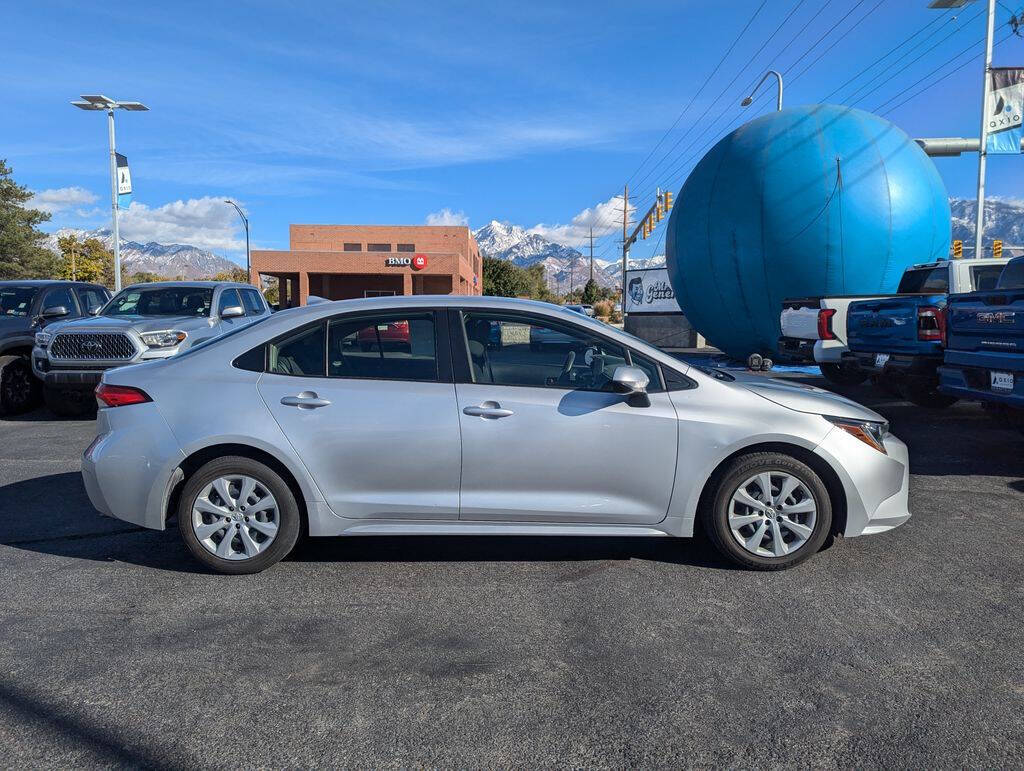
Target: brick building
[341,262]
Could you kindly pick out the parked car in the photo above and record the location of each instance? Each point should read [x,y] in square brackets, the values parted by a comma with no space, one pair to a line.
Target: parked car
[27,307]
[984,357]
[287,426]
[142,322]
[900,339]
[381,336]
[814,329]
[586,310]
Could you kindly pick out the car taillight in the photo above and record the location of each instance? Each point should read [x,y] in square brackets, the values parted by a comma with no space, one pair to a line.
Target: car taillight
[931,324]
[825,324]
[120,396]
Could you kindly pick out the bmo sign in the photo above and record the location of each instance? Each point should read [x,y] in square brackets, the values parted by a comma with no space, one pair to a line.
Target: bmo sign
[416,262]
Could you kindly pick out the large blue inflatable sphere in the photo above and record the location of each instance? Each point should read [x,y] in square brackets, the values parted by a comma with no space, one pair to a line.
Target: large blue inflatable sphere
[814,200]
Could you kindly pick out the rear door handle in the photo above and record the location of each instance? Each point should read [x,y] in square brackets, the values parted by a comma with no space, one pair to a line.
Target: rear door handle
[491,410]
[307,400]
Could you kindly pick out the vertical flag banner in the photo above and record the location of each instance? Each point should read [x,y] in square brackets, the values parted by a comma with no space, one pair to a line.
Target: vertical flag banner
[1004,107]
[124,181]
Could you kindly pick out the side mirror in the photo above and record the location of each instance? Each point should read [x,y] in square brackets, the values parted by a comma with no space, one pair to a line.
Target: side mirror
[95,311]
[232,312]
[632,381]
[55,311]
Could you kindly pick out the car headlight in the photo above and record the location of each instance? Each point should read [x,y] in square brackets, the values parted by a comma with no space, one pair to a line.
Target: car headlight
[43,339]
[167,339]
[871,432]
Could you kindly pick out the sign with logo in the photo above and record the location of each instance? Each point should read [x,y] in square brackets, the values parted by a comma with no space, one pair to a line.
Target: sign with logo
[416,262]
[419,262]
[649,291]
[1003,108]
[124,180]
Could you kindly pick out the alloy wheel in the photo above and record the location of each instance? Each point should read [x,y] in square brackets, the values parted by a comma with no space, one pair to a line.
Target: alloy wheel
[17,387]
[235,517]
[772,514]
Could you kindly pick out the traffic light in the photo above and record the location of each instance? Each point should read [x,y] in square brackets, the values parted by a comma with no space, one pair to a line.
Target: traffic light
[997,248]
[958,249]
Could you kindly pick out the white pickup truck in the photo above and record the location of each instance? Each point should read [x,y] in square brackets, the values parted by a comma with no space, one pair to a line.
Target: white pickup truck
[814,328]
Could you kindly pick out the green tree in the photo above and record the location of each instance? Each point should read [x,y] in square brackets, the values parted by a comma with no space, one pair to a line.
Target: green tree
[234,274]
[22,254]
[146,277]
[503,279]
[591,292]
[87,260]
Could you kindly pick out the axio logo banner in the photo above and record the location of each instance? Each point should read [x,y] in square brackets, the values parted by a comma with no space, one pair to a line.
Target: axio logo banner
[1004,108]
[649,291]
[124,181]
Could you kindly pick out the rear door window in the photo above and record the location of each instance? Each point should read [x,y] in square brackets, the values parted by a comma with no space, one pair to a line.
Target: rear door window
[394,346]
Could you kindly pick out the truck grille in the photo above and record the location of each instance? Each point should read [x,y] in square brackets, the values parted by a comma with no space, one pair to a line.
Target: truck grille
[98,346]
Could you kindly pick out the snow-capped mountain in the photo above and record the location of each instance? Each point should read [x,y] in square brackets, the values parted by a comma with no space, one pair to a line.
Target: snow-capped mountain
[171,260]
[1003,220]
[564,266]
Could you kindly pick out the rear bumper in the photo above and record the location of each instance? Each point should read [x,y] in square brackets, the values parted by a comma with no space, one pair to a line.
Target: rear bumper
[804,351]
[876,485]
[975,382]
[901,366]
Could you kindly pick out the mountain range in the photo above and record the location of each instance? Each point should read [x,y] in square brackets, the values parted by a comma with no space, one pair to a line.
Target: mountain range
[171,260]
[1004,219]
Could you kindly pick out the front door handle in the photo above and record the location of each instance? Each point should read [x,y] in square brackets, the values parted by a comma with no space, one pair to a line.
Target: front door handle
[491,410]
[307,400]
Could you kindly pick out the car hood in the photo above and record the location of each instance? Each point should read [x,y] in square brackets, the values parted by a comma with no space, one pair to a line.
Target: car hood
[138,323]
[805,398]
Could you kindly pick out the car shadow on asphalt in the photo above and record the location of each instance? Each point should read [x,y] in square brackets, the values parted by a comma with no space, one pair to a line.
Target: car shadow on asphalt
[30,520]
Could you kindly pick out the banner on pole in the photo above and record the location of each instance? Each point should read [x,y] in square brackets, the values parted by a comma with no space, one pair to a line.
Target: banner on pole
[1003,110]
[124,181]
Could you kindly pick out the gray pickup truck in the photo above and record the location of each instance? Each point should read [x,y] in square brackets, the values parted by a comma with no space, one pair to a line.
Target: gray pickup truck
[27,307]
[140,323]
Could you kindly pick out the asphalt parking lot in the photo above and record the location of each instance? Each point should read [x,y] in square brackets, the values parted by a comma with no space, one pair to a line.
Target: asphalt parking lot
[898,650]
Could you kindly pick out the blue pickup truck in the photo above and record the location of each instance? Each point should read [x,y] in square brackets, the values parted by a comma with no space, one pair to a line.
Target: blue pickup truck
[900,340]
[985,354]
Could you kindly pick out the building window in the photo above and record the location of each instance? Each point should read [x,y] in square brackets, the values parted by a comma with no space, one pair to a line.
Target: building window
[378,247]
[407,247]
[379,293]
[353,247]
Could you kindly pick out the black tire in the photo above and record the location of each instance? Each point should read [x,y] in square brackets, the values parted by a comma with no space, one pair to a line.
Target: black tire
[69,402]
[740,470]
[843,374]
[927,396]
[289,523]
[19,389]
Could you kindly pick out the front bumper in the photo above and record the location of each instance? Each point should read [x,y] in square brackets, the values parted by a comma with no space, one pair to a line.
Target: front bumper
[876,485]
[133,464]
[84,375]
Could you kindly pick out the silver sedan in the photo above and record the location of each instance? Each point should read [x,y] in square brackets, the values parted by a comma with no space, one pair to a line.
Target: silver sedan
[294,425]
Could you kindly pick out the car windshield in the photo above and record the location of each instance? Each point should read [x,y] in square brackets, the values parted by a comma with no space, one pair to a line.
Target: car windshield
[161,301]
[16,300]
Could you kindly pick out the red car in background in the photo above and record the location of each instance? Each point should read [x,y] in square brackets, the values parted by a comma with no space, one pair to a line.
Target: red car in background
[394,334]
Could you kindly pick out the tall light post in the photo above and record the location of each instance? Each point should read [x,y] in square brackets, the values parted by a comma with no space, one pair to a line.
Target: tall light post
[778,101]
[245,221]
[98,102]
[979,222]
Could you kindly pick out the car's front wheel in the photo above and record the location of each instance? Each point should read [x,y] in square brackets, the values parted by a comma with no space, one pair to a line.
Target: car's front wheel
[237,515]
[19,389]
[770,511]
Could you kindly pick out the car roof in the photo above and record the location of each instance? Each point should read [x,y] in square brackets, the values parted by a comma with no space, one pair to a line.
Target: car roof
[971,261]
[189,284]
[44,282]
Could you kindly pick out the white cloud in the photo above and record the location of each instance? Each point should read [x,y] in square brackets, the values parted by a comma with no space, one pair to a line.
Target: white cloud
[62,198]
[206,222]
[447,217]
[604,217]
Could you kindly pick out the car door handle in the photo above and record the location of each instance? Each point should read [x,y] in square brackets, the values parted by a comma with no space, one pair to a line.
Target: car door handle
[307,400]
[487,410]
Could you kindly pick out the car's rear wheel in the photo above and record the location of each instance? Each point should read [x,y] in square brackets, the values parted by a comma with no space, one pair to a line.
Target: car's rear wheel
[770,511]
[843,374]
[19,389]
[69,402]
[238,515]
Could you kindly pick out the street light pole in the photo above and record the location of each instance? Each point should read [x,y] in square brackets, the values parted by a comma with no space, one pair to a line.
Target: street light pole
[98,102]
[245,221]
[778,100]
[979,222]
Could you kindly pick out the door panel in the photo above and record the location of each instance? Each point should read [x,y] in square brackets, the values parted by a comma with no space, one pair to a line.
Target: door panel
[565,456]
[380,449]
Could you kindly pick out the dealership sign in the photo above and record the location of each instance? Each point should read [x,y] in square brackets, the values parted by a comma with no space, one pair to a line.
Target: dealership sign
[649,291]
[416,262]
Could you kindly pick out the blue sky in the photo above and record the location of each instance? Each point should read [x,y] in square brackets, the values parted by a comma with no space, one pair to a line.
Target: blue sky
[408,112]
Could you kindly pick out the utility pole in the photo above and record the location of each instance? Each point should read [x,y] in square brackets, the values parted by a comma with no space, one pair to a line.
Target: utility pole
[625,242]
[591,252]
[979,224]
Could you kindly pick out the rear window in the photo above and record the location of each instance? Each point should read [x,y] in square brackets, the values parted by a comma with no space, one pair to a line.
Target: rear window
[924,280]
[16,300]
[1013,275]
[985,277]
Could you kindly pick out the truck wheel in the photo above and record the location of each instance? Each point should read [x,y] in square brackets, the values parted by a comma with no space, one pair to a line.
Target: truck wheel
[68,402]
[770,511]
[843,374]
[19,389]
[926,396]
